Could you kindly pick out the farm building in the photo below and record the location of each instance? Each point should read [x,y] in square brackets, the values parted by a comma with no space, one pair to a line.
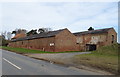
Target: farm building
[91,40]
[55,41]
[64,40]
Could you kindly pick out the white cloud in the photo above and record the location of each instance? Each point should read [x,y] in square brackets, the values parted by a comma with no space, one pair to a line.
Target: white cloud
[59,0]
[106,17]
[75,16]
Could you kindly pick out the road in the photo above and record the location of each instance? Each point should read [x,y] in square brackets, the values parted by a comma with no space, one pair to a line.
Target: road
[16,64]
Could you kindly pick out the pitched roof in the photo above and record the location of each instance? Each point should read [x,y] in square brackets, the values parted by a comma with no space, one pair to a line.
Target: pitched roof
[98,31]
[41,35]
[19,36]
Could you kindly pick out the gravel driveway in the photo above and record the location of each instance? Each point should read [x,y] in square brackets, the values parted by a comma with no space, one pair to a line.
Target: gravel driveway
[57,57]
[64,58]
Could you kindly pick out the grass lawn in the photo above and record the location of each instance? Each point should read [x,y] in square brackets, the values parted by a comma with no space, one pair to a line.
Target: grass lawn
[105,58]
[23,50]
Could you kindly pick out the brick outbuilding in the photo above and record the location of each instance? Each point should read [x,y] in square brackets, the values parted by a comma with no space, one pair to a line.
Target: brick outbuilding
[92,40]
[64,40]
[54,41]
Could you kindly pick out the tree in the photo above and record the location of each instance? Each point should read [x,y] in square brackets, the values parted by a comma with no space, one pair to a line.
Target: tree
[0,40]
[9,35]
[90,29]
[21,31]
[14,32]
[18,31]
[3,41]
[3,34]
[32,32]
[41,30]
[47,29]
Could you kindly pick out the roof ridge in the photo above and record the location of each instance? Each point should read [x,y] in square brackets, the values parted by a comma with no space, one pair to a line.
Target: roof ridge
[104,30]
[94,30]
[41,35]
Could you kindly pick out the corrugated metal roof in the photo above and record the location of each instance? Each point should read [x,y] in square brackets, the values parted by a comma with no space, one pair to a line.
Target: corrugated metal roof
[41,35]
[92,32]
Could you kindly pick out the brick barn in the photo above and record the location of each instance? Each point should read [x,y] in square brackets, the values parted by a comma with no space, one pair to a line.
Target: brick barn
[55,41]
[92,40]
[64,40]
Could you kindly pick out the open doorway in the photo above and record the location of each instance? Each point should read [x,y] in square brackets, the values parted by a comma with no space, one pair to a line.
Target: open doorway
[90,47]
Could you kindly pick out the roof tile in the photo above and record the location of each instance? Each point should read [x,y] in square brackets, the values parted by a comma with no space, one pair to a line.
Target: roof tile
[98,31]
[41,35]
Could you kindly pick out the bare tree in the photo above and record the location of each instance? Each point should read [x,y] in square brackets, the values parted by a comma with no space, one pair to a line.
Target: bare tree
[18,31]
[9,35]
[47,29]
[4,34]
[41,30]
[21,31]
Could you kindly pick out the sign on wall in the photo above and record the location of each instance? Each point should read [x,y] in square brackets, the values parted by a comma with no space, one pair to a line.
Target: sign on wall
[51,44]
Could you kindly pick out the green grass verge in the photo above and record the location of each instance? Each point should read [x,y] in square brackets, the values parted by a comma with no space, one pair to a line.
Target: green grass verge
[105,58]
[24,50]
[108,50]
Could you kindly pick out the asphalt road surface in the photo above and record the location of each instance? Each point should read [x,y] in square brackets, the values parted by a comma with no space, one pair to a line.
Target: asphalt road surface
[16,64]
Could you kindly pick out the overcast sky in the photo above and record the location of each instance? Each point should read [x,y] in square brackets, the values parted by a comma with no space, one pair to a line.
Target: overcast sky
[76,16]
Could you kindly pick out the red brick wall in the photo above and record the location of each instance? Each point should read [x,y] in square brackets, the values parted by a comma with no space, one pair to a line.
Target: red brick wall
[65,41]
[100,40]
[109,39]
[42,44]
[97,39]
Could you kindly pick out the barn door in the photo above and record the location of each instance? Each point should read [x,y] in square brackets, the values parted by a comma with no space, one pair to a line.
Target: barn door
[90,47]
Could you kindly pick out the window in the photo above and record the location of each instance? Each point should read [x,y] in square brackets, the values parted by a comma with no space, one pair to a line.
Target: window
[112,38]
